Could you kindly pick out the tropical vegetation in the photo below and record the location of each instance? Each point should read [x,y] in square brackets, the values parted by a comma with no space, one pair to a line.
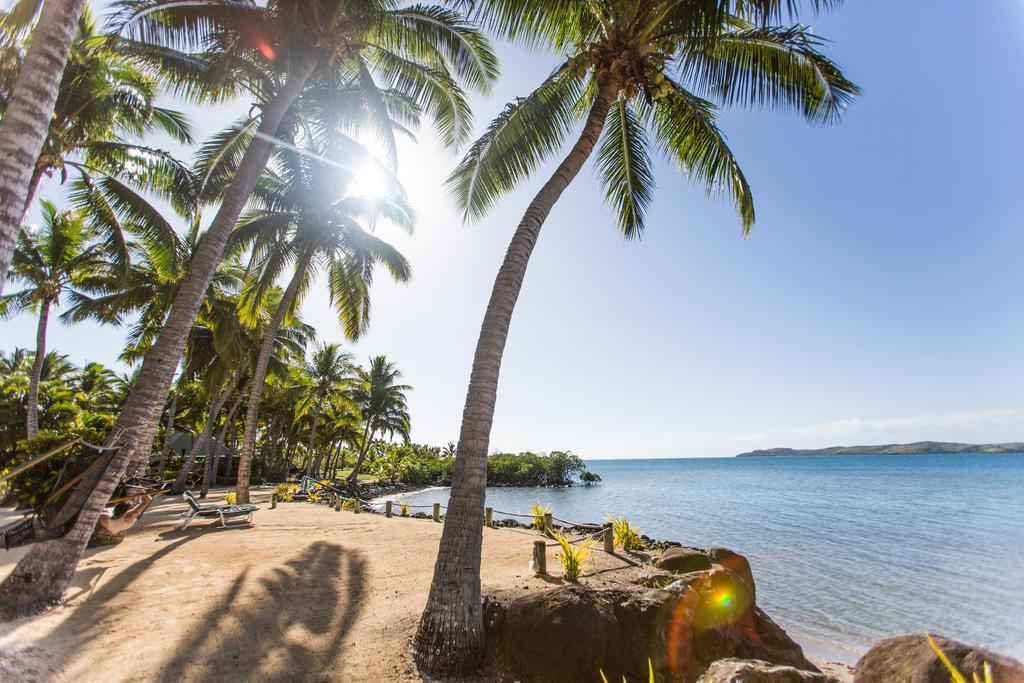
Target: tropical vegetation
[208,260]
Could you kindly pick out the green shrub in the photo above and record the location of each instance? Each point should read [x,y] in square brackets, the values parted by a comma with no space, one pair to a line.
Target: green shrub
[626,535]
[537,511]
[572,556]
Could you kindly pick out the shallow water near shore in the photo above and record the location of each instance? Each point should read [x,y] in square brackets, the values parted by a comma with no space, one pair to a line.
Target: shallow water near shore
[846,550]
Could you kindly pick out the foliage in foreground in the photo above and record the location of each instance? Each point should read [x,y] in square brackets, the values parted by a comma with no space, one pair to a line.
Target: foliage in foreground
[626,535]
[650,673]
[954,673]
[537,511]
[572,556]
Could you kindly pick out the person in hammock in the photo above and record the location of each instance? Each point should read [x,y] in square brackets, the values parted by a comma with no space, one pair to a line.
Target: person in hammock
[124,515]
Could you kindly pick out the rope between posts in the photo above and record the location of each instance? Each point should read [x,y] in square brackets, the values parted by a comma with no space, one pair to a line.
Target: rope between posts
[514,514]
[577,540]
[578,525]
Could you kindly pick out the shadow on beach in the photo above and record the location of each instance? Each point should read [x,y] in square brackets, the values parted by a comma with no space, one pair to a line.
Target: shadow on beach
[287,625]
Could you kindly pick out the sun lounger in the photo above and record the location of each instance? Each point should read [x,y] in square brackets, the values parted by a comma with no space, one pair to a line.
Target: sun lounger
[242,513]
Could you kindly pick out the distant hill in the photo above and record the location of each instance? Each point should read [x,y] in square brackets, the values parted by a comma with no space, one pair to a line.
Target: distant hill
[919,448]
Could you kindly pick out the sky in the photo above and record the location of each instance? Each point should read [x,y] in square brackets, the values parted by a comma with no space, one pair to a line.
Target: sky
[878,299]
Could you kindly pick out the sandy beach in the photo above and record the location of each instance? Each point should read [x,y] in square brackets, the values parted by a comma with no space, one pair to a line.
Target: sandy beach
[307,593]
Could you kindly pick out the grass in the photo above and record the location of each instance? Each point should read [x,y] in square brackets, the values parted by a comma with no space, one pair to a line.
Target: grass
[650,673]
[626,535]
[537,511]
[231,498]
[571,557]
[363,476]
[403,508]
[955,673]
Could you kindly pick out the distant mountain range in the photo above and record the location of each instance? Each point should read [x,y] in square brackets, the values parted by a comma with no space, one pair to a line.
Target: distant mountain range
[919,448]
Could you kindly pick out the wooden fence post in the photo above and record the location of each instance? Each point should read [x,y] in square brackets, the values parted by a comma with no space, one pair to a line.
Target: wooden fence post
[357,506]
[273,501]
[609,539]
[548,530]
[540,557]
[437,512]
[488,517]
[337,503]
[387,509]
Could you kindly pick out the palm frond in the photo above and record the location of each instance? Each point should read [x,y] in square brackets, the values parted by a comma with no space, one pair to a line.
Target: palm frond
[624,167]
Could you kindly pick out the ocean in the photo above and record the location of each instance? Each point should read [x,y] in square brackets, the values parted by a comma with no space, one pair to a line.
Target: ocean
[845,550]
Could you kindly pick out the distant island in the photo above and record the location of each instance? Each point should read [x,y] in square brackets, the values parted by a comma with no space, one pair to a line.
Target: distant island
[919,448]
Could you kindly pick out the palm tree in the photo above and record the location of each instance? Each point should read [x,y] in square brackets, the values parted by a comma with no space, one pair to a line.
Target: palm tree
[50,262]
[639,75]
[330,370]
[300,216]
[26,120]
[382,403]
[278,51]
[105,100]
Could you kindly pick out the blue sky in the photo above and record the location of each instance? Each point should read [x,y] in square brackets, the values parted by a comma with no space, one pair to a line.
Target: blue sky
[877,300]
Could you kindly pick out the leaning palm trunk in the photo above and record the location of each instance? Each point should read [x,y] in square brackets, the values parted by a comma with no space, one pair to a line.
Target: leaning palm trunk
[312,444]
[41,577]
[213,460]
[26,122]
[32,426]
[252,411]
[353,476]
[181,481]
[450,639]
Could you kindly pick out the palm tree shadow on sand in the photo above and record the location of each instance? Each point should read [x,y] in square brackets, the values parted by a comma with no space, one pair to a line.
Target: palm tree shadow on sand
[288,625]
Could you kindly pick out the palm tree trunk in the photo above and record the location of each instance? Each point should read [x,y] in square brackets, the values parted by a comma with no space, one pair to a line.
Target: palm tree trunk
[168,433]
[41,576]
[26,123]
[181,481]
[210,471]
[353,476]
[312,443]
[252,411]
[37,369]
[450,638]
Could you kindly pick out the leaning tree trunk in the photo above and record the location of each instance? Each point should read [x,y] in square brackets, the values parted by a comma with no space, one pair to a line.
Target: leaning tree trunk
[450,638]
[26,122]
[32,426]
[213,460]
[181,481]
[165,450]
[353,476]
[312,443]
[252,410]
[41,576]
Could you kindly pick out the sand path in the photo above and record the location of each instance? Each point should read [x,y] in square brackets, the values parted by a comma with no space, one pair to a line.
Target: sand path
[306,594]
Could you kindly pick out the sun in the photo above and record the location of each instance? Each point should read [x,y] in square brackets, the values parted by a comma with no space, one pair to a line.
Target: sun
[370,180]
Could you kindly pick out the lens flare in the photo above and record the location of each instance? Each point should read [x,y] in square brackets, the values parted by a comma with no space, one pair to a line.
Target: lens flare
[266,50]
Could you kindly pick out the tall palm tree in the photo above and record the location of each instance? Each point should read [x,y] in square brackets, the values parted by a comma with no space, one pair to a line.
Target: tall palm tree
[277,51]
[26,120]
[58,258]
[330,370]
[302,215]
[104,102]
[382,403]
[640,74]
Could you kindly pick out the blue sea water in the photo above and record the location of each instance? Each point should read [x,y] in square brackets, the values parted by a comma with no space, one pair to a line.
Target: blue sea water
[845,550]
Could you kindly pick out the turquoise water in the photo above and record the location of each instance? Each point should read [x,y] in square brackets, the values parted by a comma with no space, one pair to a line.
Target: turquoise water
[845,550]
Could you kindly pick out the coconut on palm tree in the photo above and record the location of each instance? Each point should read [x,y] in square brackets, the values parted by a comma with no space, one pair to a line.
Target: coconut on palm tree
[57,259]
[640,76]
[382,404]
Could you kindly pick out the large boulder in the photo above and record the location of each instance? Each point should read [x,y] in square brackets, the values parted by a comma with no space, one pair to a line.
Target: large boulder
[572,633]
[910,659]
[737,564]
[756,671]
[683,560]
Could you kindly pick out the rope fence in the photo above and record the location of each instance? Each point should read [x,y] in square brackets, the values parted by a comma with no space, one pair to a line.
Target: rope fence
[542,522]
